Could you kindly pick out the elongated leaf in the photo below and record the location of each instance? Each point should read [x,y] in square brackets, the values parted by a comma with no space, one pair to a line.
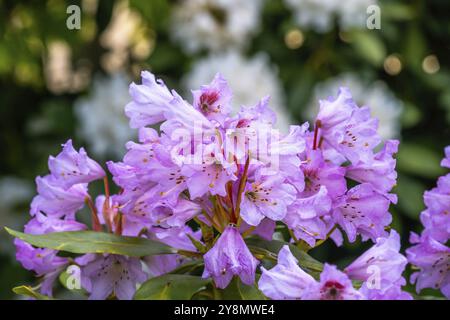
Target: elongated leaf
[236,290]
[64,280]
[419,160]
[94,242]
[273,247]
[171,287]
[369,46]
[29,292]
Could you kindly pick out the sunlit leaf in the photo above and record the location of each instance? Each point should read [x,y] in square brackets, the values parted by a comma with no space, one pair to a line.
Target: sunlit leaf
[94,242]
[171,287]
[29,292]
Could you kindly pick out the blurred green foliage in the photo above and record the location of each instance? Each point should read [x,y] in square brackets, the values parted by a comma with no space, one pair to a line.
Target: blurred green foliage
[34,120]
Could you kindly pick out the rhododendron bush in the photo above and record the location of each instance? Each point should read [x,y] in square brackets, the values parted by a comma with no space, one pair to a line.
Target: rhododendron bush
[212,204]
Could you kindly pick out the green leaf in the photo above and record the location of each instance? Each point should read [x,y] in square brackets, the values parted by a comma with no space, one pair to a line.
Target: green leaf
[29,292]
[236,290]
[415,47]
[171,287]
[274,246]
[94,242]
[397,11]
[63,279]
[189,267]
[369,46]
[419,161]
[410,196]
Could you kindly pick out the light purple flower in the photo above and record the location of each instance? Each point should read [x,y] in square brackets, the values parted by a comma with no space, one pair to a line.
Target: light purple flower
[150,101]
[173,215]
[362,210]
[436,217]
[267,197]
[176,237]
[333,285]
[211,175]
[319,172]
[42,224]
[285,281]
[387,291]
[230,257]
[380,172]
[162,264]
[288,281]
[446,161]
[336,112]
[384,256]
[44,262]
[265,229]
[433,260]
[305,217]
[112,274]
[71,167]
[40,260]
[348,128]
[214,100]
[56,201]
[357,138]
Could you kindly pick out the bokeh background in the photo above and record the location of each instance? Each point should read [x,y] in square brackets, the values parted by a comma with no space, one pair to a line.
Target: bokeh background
[57,83]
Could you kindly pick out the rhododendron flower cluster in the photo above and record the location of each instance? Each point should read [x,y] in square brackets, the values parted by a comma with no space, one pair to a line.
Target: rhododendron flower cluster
[217,188]
[430,252]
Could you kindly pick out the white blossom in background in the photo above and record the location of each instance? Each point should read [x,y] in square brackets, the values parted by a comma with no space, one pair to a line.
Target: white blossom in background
[319,15]
[250,80]
[215,24]
[376,95]
[101,117]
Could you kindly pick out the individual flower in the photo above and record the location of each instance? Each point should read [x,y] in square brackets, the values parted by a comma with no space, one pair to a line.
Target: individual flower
[433,260]
[267,197]
[285,281]
[333,285]
[306,217]
[176,237]
[380,173]
[214,100]
[288,281]
[211,175]
[319,15]
[356,138]
[109,274]
[42,224]
[363,211]
[241,73]
[149,101]
[230,257]
[435,218]
[161,264]
[264,230]
[383,258]
[446,161]
[214,24]
[173,215]
[102,122]
[71,167]
[389,291]
[44,262]
[382,102]
[53,200]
